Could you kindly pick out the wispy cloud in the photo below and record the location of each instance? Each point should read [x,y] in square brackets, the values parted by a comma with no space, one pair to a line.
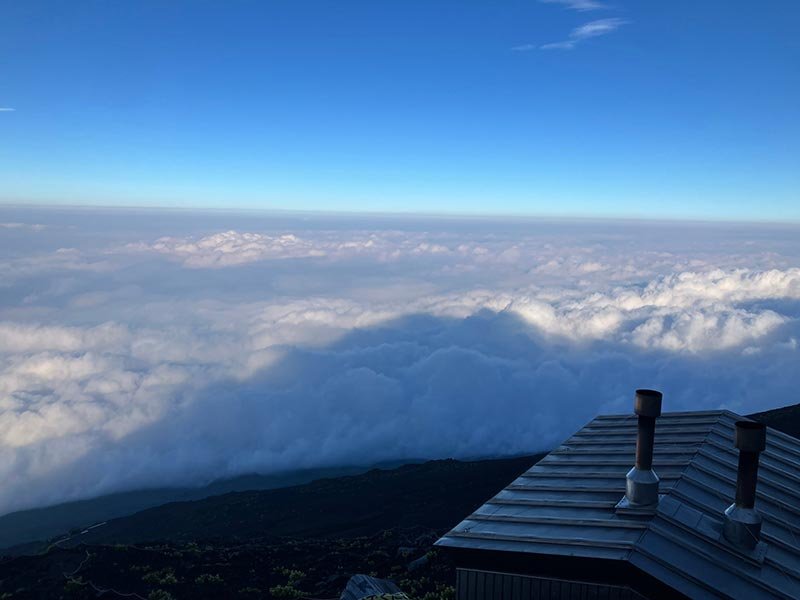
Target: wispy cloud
[586,31]
[6,109]
[580,5]
[565,45]
[595,28]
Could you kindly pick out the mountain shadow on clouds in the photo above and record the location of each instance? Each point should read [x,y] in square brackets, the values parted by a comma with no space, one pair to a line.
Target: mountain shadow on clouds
[419,387]
[787,307]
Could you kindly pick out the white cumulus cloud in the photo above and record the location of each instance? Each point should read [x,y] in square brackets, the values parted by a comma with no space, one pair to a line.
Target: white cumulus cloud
[230,248]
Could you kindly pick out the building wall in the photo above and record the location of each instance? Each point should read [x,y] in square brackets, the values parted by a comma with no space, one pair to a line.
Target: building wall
[488,585]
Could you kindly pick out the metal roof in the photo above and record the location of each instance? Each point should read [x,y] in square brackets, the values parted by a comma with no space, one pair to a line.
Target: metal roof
[565,505]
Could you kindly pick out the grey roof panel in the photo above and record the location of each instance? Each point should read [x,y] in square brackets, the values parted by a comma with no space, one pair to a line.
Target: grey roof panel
[565,505]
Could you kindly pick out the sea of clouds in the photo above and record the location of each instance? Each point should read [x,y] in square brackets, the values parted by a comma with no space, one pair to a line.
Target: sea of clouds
[156,348]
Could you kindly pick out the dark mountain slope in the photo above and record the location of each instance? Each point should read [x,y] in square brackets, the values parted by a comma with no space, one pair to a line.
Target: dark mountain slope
[434,495]
[786,419]
[303,541]
[43,523]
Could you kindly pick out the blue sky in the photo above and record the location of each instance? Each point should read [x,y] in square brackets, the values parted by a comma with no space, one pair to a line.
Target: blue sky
[583,108]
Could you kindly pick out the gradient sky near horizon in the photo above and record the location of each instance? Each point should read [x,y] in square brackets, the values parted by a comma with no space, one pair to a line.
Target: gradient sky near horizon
[561,107]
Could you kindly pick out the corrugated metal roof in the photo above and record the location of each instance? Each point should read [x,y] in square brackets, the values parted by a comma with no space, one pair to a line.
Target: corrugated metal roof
[565,505]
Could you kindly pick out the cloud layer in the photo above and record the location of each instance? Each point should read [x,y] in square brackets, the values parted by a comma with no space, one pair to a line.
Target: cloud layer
[146,350]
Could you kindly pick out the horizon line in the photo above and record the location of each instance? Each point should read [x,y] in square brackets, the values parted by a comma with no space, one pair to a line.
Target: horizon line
[541,216]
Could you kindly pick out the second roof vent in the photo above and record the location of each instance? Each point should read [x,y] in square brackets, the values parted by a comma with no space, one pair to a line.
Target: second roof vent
[742,522]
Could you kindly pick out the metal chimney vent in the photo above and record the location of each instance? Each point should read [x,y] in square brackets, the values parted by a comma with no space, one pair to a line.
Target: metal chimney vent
[742,525]
[641,482]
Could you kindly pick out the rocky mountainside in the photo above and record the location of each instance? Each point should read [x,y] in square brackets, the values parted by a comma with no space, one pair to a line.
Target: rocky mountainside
[302,541]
